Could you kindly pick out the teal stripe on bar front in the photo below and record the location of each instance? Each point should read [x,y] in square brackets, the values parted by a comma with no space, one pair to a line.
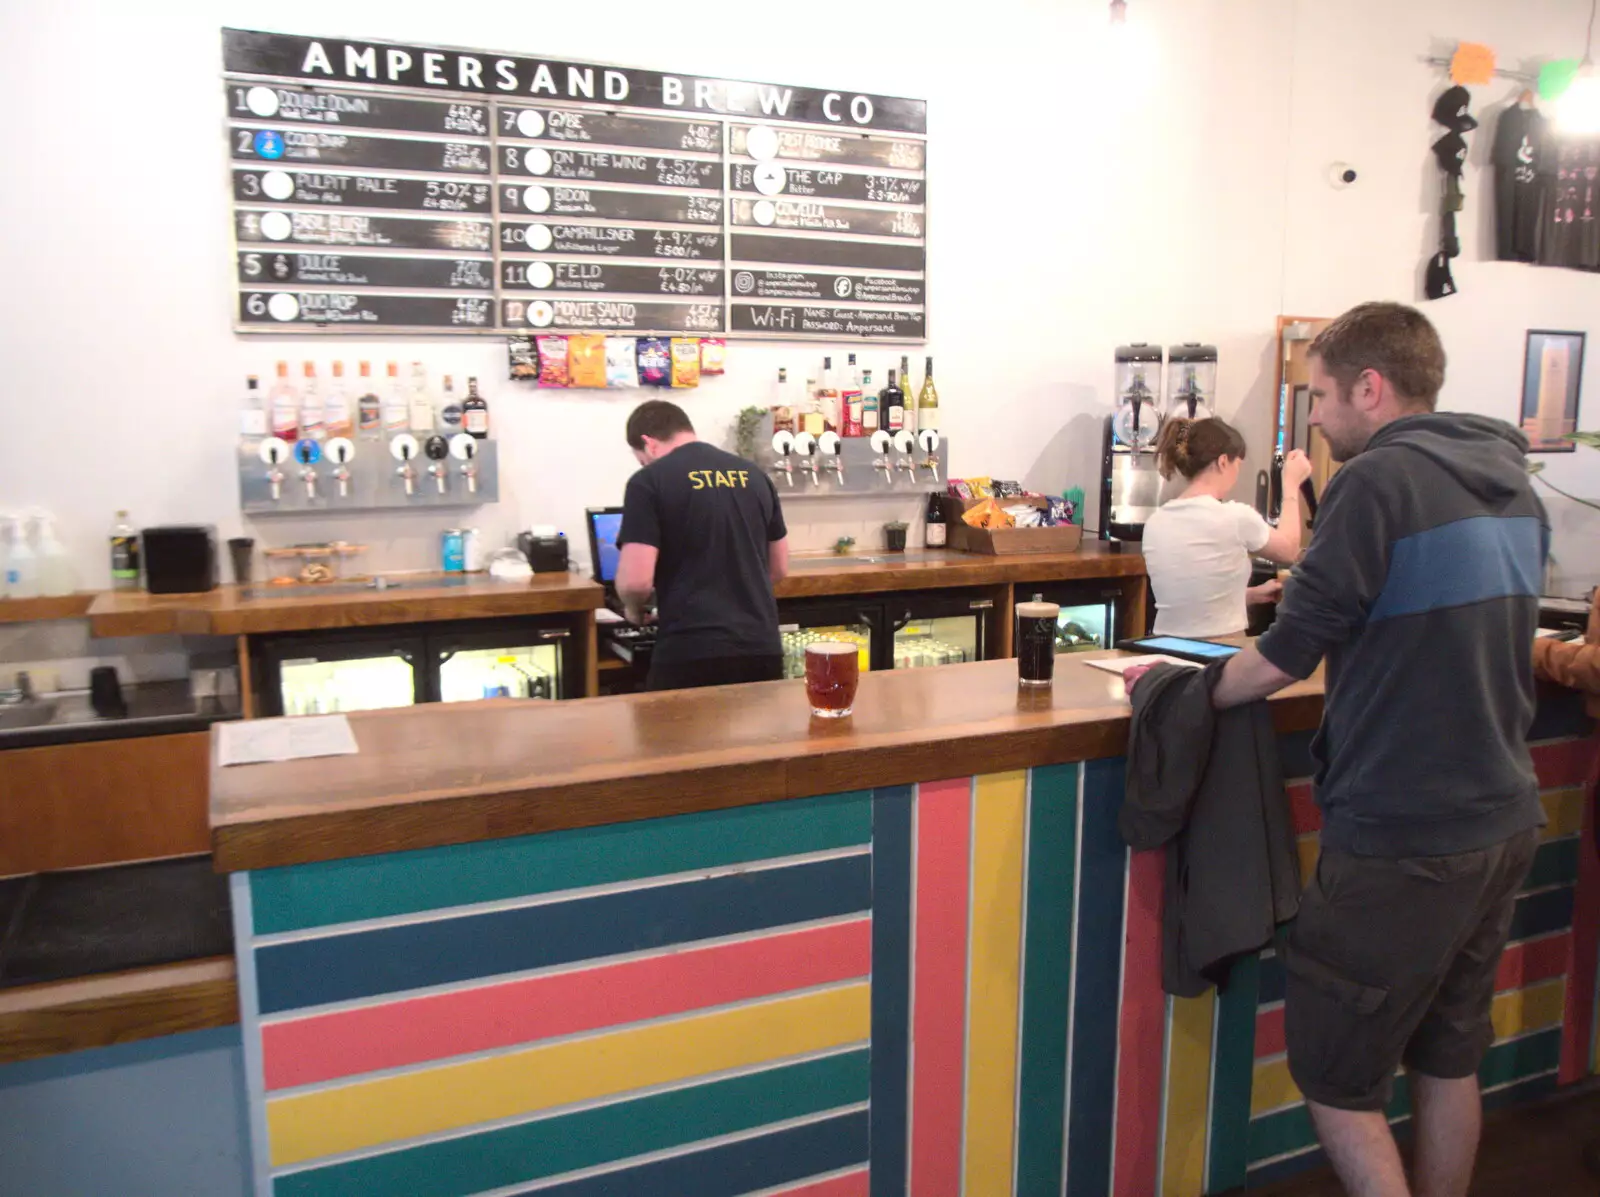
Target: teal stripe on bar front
[369,887]
[586,1138]
[1233,1067]
[1047,979]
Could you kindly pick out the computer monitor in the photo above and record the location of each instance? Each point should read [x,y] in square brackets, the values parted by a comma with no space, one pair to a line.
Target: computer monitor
[604,524]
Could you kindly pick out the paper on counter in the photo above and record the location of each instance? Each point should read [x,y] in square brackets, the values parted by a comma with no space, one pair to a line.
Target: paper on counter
[256,741]
[1121,665]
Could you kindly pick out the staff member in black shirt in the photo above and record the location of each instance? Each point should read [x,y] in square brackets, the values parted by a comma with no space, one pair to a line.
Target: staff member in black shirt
[703,530]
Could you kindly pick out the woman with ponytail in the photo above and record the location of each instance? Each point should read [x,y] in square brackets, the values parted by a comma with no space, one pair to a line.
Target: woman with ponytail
[1197,547]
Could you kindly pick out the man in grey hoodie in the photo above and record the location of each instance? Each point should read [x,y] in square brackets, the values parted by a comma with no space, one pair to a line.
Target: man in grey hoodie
[1420,588]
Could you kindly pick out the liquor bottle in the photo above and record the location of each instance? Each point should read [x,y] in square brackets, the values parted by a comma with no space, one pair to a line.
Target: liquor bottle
[928,400]
[421,406]
[869,404]
[253,416]
[892,404]
[337,413]
[828,398]
[285,404]
[394,403]
[449,409]
[811,416]
[369,408]
[475,412]
[125,546]
[313,412]
[850,401]
[936,527]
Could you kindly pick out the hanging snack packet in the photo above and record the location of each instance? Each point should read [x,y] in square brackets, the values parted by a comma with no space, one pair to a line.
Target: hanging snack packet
[685,361]
[523,359]
[655,362]
[713,355]
[622,362]
[586,354]
[553,368]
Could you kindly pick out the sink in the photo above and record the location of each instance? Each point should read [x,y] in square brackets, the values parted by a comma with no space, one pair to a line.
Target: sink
[28,714]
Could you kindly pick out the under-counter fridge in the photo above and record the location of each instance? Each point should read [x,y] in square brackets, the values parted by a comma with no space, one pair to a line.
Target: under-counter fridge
[314,673]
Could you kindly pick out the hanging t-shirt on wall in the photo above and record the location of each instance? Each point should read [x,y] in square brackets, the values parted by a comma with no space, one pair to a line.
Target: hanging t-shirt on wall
[1569,231]
[1520,142]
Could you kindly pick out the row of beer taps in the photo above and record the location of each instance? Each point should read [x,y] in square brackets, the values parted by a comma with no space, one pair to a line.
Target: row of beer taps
[821,454]
[275,453]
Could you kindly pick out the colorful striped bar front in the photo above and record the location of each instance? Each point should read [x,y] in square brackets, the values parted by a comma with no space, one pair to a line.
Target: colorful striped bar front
[949,989]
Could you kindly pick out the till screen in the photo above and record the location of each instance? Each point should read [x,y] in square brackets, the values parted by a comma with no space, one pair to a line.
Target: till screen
[1177,644]
[605,525]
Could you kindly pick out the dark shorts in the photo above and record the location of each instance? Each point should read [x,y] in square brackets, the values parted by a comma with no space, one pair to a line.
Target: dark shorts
[714,671]
[1395,960]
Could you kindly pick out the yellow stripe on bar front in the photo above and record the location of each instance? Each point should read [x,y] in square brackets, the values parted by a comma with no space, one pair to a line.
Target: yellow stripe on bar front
[995,970]
[1188,1095]
[351,1117]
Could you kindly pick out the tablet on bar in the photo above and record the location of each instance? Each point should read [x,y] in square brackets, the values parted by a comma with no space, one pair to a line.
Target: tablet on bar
[1181,647]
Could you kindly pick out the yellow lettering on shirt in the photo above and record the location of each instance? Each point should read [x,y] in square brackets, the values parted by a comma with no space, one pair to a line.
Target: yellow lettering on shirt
[744,477]
[722,479]
[694,477]
[711,479]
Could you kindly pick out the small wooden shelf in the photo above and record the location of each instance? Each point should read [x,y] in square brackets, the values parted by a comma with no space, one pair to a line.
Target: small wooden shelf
[29,610]
[609,663]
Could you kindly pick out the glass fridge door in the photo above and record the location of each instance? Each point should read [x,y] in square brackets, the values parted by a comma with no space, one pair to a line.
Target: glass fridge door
[321,684]
[525,671]
[1090,616]
[801,624]
[940,640]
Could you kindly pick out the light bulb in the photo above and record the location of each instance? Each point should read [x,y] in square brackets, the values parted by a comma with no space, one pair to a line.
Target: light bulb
[1578,110]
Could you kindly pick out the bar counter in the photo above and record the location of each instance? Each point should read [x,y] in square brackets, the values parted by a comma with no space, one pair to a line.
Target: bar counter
[696,942]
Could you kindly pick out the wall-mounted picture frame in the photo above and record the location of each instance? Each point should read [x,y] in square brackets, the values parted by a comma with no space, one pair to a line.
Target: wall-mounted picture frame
[1552,380]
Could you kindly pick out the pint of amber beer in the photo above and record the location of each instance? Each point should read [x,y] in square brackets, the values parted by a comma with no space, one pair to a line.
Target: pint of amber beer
[832,671]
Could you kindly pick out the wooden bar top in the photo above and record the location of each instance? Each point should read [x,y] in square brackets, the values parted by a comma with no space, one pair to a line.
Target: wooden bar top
[455,773]
[821,575]
[244,611]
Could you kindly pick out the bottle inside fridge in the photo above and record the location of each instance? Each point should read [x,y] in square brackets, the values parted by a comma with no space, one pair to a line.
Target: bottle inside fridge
[945,640]
[527,671]
[314,687]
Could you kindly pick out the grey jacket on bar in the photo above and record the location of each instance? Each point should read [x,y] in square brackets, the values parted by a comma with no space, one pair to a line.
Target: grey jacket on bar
[1208,785]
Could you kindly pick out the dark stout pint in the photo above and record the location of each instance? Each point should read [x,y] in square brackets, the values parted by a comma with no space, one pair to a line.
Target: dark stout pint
[1036,642]
[832,671]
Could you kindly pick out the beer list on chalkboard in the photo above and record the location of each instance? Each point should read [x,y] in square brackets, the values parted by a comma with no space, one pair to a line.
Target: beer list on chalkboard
[380,188]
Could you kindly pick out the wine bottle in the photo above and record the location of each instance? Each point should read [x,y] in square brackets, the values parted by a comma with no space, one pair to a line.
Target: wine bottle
[892,403]
[928,400]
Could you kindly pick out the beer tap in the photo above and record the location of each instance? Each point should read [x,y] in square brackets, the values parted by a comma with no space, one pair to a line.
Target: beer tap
[881,442]
[805,445]
[339,451]
[437,450]
[403,449]
[828,445]
[928,439]
[308,452]
[783,445]
[905,444]
[273,452]
[464,448]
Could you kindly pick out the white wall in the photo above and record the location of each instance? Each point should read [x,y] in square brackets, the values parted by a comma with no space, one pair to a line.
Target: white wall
[1170,184]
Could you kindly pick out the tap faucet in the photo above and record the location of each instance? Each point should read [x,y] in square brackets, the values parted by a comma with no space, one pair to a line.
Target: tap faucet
[410,476]
[836,464]
[785,467]
[470,473]
[882,463]
[437,471]
[909,466]
[275,480]
[809,466]
[932,466]
[342,477]
[309,477]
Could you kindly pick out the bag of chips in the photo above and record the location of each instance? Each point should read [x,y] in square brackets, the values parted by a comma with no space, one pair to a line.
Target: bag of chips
[554,370]
[586,357]
[655,362]
[622,362]
[713,355]
[685,361]
[523,359]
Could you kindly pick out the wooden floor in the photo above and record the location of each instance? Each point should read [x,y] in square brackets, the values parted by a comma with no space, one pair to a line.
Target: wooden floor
[1535,1151]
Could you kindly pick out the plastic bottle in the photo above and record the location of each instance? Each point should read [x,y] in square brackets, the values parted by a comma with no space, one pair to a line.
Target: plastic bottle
[124,554]
[22,565]
[56,575]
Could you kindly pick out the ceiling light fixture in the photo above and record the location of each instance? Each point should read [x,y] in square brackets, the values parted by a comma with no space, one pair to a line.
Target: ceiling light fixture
[1578,111]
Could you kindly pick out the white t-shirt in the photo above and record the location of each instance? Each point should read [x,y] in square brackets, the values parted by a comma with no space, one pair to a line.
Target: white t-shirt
[1197,552]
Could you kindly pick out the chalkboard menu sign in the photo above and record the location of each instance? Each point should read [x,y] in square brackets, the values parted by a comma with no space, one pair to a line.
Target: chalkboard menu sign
[395,188]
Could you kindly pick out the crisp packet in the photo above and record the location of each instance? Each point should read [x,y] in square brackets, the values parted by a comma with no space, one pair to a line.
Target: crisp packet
[713,355]
[586,358]
[961,488]
[522,359]
[655,362]
[622,362]
[554,370]
[1007,490]
[982,488]
[1024,516]
[685,361]
[1060,513]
